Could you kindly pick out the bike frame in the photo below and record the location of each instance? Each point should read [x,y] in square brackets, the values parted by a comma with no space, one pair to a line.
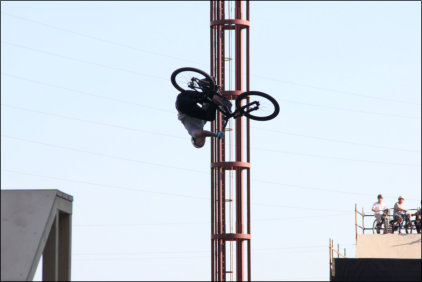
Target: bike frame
[384,220]
[226,114]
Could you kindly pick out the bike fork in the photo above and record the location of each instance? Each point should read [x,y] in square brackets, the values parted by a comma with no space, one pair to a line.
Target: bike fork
[225,124]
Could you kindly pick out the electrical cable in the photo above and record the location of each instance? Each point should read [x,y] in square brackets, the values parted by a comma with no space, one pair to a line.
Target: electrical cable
[337,91]
[335,140]
[112,42]
[337,158]
[87,93]
[166,166]
[84,61]
[168,111]
[173,136]
[103,155]
[200,223]
[119,187]
[188,60]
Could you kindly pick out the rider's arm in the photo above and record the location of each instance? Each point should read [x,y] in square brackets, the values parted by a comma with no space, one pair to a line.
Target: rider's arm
[400,209]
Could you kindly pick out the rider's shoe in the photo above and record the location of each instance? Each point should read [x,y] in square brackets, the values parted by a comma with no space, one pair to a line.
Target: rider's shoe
[219,134]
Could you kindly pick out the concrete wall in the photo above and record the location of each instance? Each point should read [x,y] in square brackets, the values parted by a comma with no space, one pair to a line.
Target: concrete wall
[26,220]
[388,246]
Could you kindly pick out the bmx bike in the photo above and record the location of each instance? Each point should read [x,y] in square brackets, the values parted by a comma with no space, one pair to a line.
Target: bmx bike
[252,104]
[408,225]
[383,225]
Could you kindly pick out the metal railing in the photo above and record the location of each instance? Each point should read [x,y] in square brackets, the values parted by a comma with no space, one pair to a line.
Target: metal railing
[334,252]
[364,215]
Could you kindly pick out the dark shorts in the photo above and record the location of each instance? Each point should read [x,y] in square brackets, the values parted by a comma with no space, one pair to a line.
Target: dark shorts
[187,103]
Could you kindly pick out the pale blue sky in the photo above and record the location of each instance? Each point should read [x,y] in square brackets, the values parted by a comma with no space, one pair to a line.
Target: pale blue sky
[89,81]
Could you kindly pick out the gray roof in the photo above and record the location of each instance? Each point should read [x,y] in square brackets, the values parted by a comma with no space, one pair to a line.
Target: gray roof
[26,220]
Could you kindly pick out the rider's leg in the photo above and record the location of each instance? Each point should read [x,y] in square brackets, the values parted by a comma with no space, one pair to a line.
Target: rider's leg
[210,111]
[221,101]
[203,133]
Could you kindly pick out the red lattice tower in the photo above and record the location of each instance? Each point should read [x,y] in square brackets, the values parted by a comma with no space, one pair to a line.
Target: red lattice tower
[230,175]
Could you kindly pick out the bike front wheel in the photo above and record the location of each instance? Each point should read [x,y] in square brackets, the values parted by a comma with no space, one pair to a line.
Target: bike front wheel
[192,79]
[257,105]
[409,227]
[375,227]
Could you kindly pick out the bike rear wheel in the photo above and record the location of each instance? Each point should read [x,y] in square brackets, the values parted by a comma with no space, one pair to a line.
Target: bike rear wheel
[257,105]
[192,79]
[409,227]
[375,227]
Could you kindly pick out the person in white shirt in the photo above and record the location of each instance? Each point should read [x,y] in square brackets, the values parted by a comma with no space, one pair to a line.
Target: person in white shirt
[378,208]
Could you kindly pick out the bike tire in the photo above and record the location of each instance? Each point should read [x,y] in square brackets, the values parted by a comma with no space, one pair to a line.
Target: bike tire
[374,227]
[409,227]
[254,94]
[200,73]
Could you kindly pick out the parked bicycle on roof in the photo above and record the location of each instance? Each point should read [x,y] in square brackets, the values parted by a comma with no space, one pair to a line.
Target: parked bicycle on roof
[401,216]
[381,215]
[417,221]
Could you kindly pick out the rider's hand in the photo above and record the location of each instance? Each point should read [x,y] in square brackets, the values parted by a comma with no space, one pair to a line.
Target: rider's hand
[219,134]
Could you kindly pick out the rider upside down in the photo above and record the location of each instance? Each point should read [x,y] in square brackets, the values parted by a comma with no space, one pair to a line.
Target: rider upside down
[194,112]
[201,97]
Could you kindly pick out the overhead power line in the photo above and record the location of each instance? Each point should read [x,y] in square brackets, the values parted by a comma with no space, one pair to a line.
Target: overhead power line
[94,122]
[87,93]
[321,189]
[108,41]
[335,140]
[194,251]
[119,187]
[84,61]
[173,112]
[336,158]
[313,188]
[151,163]
[183,138]
[202,222]
[348,110]
[166,166]
[336,90]
[103,154]
[166,79]
[124,45]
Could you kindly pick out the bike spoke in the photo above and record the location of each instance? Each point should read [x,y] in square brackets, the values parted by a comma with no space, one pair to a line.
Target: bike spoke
[184,80]
[259,106]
